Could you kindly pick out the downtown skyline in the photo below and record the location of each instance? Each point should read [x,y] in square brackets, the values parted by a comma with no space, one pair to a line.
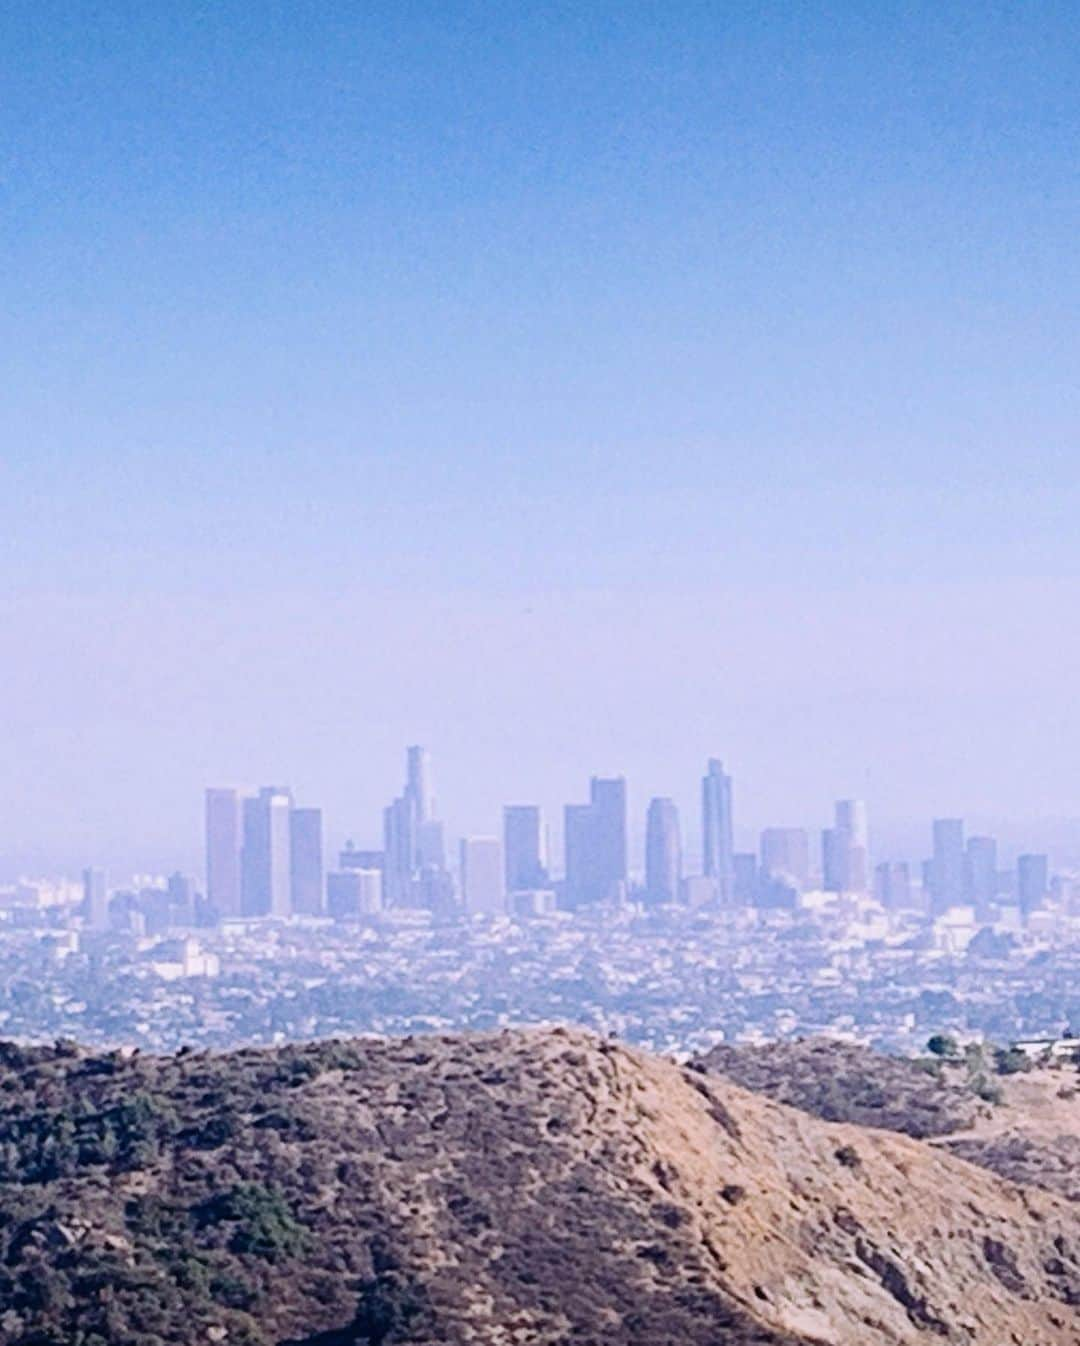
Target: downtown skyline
[566,390]
[265,856]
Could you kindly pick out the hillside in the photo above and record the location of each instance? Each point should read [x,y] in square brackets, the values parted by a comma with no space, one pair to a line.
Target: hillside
[1030,1134]
[843,1082]
[1033,1134]
[536,1187]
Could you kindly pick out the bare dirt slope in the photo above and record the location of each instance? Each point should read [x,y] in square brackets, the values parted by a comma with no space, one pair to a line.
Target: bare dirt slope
[1033,1135]
[1029,1134]
[537,1187]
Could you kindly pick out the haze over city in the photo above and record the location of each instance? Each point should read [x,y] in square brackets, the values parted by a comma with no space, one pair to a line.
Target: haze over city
[538,586]
[570,389]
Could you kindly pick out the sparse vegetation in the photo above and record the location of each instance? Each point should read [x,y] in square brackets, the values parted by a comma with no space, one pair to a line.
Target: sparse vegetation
[840,1082]
[458,1190]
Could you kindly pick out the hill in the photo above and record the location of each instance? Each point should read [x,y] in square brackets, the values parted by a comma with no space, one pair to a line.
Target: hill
[844,1082]
[1033,1134]
[536,1187]
[1030,1133]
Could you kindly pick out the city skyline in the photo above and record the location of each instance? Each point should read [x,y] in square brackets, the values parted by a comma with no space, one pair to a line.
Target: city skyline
[905,840]
[553,387]
[266,857]
[255,868]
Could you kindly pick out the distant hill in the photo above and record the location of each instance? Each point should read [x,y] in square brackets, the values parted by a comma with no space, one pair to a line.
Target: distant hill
[1029,1134]
[843,1082]
[534,1188]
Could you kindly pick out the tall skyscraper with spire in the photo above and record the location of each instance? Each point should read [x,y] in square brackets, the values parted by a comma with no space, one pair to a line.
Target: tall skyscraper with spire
[418,782]
[413,838]
[717,830]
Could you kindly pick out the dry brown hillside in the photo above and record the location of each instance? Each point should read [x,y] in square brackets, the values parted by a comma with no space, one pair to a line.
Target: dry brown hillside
[534,1187]
[1033,1135]
[1029,1134]
[845,1082]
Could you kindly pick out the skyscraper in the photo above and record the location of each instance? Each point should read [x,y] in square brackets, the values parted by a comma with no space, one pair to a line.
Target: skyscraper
[523,847]
[413,839]
[851,819]
[663,852]
[1032,882]
[717,830]
[595,836]
[306,861]
[845,850]
[418,782]
[580,858]
[980,875]
[353,892]
[224,846]
[95,899]
[400,850]
[266,868]
[745,869]
[180,898]
[785,854]
[430,845]
[482,889]
[835,860]
[608,802]
[947,870]
[892,885]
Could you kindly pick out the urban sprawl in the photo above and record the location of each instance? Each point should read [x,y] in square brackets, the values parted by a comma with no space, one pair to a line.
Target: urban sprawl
[276,944]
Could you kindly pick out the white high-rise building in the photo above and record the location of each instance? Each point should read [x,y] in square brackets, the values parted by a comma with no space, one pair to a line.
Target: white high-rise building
[482,886]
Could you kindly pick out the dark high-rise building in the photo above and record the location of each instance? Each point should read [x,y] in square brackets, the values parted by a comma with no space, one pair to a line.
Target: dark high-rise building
[1032,882]
[181,900]
[224,847]
[663,852]
[266,868]
[745,868]
[581,880]
[523,848]
[948,867]
[980,875]
[400,847]
[608,803]
[785,854]
[717,830]
[306,862]
[95,899]
[892,885]
[595,840]
[351,893]
[835,860]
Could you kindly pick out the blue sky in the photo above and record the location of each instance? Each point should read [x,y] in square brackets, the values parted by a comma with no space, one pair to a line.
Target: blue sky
[572,386]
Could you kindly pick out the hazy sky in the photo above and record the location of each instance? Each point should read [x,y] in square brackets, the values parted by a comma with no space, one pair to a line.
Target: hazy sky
[570,387]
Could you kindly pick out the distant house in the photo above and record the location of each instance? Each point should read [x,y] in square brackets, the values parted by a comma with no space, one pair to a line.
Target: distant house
[1055,1048]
